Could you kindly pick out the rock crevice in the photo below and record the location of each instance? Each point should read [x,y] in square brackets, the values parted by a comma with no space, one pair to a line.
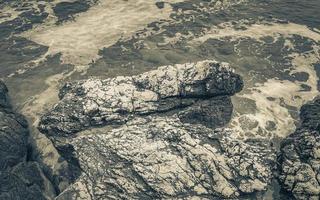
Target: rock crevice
[20,178]
[299,160]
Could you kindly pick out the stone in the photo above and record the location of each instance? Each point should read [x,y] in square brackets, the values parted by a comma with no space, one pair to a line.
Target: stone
[96,102]
[299,162]
[160,157]
[157,135]
[3,95]
[20,178]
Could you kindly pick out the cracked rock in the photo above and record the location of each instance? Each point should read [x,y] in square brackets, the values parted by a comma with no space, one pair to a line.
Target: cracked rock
[162,158]
[300,155]
[158,135]
[96,102]
[19,177]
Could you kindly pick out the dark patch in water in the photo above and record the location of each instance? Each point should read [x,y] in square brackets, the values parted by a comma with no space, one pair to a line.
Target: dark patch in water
[66,10]
[251,61]
[317,68]
[271,98]
[32,82]
[302,44]
[25,21]
[160,4]
[293,111]
[245,105]
[16,52]
[305,88]
[301,76]
[297,11]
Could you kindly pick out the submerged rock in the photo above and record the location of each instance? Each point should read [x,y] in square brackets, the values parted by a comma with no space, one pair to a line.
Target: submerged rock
[157,135]
[300,155]
[19,177]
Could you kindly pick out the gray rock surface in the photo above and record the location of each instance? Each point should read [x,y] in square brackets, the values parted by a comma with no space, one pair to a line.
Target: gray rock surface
[157,135]
[96,102]
[162,158]
[300,155]
[4,103]
[19,177]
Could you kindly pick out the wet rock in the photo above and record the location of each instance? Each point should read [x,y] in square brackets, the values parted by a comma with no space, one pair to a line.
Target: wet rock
[310,115]
[96,102]
[300,155]
[19,177]
[13,135]
[156,136]
[3,95]
[13,187]
[162,158]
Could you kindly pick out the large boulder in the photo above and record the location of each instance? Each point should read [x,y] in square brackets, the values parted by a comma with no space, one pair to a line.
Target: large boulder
[96,102]
[157,135]
[19,177]
[13,138]
[300,155]
[162,158]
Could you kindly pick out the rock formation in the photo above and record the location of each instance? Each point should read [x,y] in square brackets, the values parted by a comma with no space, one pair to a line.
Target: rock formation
[154,158]
[20,178]
[157,135]
[97,102]
[300,155]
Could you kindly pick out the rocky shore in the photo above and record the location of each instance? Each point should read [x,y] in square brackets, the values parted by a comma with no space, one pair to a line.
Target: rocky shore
[300,155]
[158,135]
[20,177]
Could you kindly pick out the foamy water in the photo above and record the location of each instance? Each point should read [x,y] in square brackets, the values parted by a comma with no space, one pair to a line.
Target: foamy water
[101,26]
[284,92]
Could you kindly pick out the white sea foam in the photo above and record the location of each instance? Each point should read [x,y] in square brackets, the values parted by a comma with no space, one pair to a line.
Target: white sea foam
[284,92]
[257,31]
[79,41]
